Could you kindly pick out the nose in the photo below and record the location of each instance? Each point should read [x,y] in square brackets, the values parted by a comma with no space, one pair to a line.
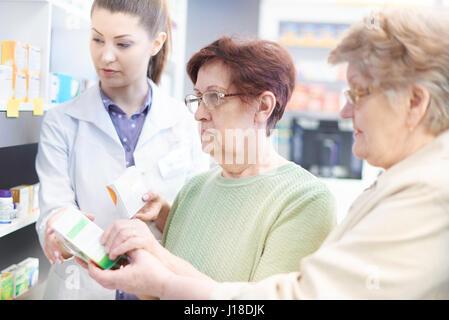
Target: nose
[202,114]
[108,54]
[347,112]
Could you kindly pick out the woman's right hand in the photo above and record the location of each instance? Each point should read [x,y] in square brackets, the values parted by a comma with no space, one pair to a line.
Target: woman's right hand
[155,209]
[53,249]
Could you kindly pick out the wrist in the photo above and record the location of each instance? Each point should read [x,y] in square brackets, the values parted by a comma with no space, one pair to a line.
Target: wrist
[168,280]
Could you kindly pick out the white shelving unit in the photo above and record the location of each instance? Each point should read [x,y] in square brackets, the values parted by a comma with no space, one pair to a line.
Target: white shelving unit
[18,224]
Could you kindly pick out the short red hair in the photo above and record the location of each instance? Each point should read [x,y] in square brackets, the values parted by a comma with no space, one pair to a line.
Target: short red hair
[256,66]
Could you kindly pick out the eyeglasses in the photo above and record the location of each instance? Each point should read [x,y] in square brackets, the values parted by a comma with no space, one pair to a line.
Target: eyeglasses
[353,95]
[211,99]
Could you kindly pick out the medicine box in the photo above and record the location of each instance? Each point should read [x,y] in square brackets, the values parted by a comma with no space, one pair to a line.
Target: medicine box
[20,278]
[23,195]
[60,88]
[32,266]
[33,86]
[6,286]
[6,88]
[20,86]
[127,191]
[34,59]
[15,54]
[81,237]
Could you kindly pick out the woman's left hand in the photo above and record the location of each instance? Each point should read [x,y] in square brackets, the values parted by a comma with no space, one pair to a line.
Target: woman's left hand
[144,277]
[127,235]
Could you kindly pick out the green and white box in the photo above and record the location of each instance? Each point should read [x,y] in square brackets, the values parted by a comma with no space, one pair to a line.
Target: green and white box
[32,265]
[81,237]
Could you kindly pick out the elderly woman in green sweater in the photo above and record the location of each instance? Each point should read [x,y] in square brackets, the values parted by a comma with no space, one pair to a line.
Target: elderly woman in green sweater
[256,214]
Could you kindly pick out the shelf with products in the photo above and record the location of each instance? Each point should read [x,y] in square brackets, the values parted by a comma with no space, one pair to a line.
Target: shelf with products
[18,224]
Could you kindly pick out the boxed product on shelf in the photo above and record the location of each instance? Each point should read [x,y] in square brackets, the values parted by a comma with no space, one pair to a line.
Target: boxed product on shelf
[23,195]
[60,88]
[6,207]
[314,97]
[320,35]
[34,59]
[6,286]
[75,88]
[20,86]
[32,267]
[15,54]
[6,91]
[20,278]
[33,86]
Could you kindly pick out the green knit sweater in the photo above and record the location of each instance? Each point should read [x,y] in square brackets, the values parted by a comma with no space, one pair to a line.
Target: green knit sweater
[249,228]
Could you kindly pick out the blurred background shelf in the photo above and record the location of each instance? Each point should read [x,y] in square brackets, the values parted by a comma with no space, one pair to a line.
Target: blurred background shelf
[18,224]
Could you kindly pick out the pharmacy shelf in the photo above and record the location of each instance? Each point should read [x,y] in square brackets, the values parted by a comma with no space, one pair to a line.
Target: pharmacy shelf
[6,229]
[26,106]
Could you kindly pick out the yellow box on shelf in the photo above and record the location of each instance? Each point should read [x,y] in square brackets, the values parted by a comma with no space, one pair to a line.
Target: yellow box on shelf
[38,107]
[6,286]
[20,278]
[15,54]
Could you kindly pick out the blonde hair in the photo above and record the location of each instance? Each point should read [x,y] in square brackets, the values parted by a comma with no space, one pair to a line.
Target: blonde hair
[396,48]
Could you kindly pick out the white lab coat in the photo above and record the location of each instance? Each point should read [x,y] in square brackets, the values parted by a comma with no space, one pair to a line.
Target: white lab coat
[80,153]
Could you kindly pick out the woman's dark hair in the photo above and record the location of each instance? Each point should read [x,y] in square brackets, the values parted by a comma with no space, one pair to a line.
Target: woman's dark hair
[256,66]
[154,16]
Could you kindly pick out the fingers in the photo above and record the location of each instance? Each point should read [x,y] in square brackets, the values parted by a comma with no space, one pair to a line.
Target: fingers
[50,248]
[121,237]
[106,278]
[119,231]
[127,246]
[151,209]
[150,212]
[150,196]
[126,235]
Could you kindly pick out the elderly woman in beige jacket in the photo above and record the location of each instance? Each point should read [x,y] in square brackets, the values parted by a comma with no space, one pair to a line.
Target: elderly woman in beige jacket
[394,242]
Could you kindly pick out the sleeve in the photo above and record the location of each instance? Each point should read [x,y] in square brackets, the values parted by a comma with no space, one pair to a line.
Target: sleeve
[56,190]
[299,231]
[397,251]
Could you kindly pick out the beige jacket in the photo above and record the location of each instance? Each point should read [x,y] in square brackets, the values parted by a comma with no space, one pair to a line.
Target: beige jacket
[393,244]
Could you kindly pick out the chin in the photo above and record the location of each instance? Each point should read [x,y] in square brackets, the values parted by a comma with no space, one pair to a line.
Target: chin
[359,152]
[112,83]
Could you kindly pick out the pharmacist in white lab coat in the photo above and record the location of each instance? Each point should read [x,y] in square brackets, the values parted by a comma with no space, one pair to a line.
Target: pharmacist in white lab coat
[125,120]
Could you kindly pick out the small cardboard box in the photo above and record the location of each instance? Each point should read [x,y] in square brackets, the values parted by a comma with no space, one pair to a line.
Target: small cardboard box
[127,191]
[20,278]
[6,286]
[81,237]
[32,265]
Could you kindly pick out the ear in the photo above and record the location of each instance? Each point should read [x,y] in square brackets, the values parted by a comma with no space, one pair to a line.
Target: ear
[267,103]
[419,102]
[158,43]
